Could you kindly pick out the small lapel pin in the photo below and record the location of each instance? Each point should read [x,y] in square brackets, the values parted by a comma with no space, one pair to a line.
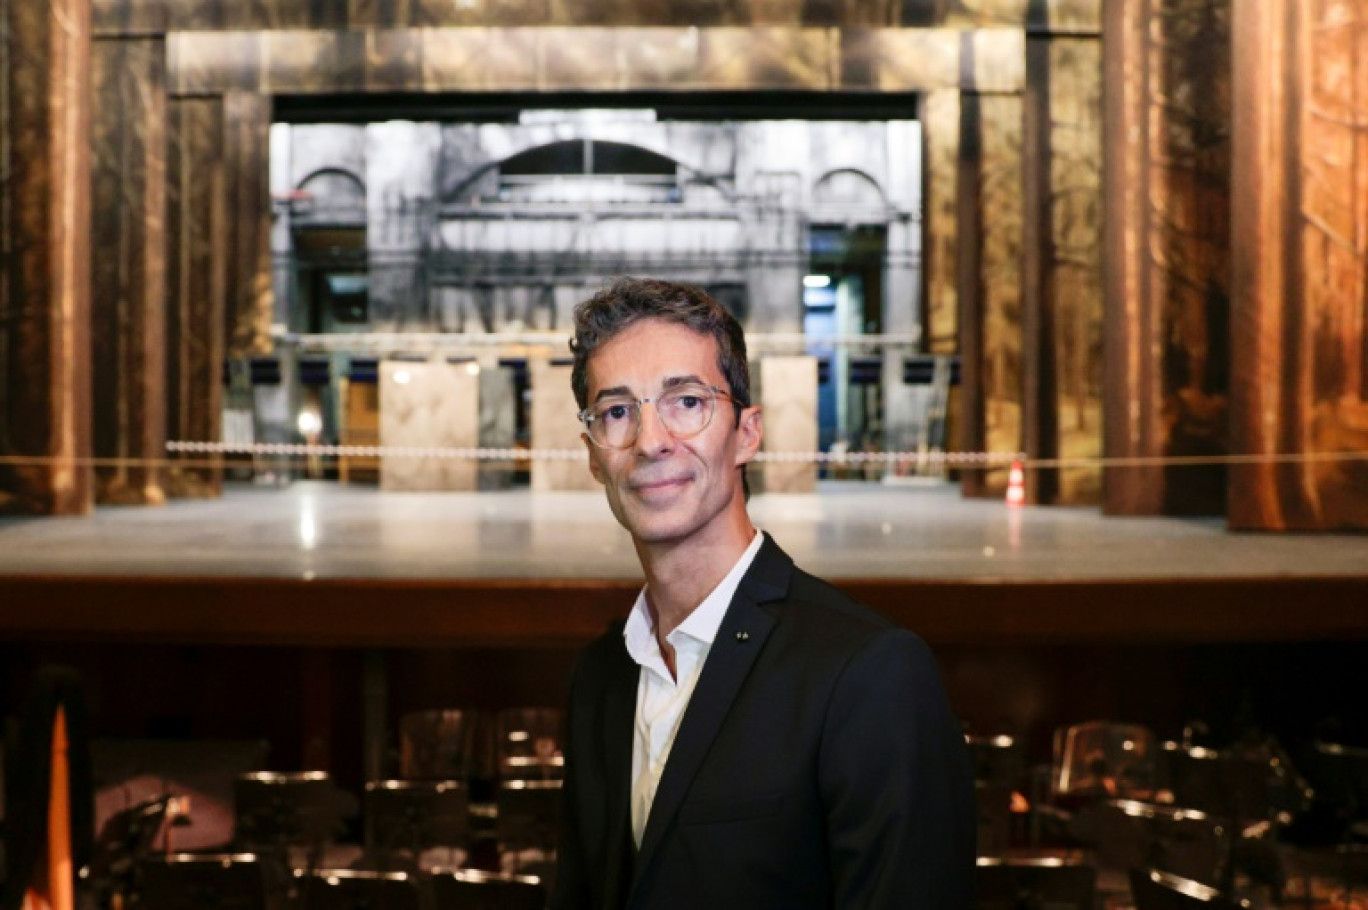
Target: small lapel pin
[743,636]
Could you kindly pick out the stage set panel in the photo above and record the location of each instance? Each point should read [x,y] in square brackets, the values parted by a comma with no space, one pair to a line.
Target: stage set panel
[1300,372]
[1168,239]
[45,311]
[196,281]
[128,274]
[208,15]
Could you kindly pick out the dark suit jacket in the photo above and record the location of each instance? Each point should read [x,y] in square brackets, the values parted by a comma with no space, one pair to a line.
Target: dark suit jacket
[818,764]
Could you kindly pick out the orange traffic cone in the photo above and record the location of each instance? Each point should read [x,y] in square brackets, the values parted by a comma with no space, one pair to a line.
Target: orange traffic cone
[1016,485]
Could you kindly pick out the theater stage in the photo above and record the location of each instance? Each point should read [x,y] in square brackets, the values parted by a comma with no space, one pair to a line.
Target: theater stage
[326,564]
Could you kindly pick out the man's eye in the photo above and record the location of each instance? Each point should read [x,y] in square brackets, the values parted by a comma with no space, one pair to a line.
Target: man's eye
[689,402]
[615,412]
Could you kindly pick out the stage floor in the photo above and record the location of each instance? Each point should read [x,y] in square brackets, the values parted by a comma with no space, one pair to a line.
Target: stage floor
[846,530]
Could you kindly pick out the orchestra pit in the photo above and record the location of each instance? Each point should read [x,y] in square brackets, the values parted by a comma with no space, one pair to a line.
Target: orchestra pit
[1055,311]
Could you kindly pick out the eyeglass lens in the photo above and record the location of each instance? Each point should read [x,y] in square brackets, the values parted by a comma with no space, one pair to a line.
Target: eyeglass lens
[685,411]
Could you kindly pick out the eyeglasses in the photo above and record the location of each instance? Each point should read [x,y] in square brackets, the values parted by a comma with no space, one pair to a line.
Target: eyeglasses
[685,410]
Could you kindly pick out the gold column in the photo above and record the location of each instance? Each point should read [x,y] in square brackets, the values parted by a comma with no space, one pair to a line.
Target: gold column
[1300,264]
[128,305]
[1062,294]
[1167,241]
[247,141]
[990,226]
[941,129]
[196,265]
[45,296]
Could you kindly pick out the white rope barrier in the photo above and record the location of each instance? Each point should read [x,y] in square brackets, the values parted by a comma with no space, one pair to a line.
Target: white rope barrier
[445,341]
[212,454]
[492,454]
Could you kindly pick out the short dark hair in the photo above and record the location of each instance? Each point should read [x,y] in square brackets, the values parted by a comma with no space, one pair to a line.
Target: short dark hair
[627,301]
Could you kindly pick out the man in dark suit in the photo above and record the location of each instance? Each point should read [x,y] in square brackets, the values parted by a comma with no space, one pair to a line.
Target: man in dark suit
[751,737]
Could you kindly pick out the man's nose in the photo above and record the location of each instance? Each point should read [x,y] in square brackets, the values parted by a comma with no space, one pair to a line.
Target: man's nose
[653,438]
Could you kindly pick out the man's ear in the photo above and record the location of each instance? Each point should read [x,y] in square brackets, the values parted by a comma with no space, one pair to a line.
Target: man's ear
[593,462]
[749,433]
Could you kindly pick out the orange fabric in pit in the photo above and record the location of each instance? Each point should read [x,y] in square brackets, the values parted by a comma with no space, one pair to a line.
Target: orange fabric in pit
[58,891]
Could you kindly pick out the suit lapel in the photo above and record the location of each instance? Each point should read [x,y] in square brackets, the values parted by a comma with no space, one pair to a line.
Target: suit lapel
[739,641]
[619,710]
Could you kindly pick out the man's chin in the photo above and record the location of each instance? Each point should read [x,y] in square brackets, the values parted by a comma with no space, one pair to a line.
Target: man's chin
[655,528]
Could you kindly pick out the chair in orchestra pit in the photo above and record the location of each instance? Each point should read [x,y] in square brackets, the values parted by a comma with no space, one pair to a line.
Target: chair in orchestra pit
[1245,784]
[1033,884]
[529,744]
[450,744]
[292,816]
[349,889]
[439,745]
[211,881]
[994,804]
[469,889]
[528,814]
[1341,777]
[404,818]
[997,759]
[527,826]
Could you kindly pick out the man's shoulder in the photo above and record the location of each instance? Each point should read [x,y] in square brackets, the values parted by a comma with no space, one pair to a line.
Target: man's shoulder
[609,644]
[604,654]
[826,616]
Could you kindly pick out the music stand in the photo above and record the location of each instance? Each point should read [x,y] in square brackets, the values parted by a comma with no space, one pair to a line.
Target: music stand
[994,804]
[125,839]
[529,743]
[1342,779]
[1155,890]
[469,889]
[208,881]
[996,759]
[408,817]
[438,745]
[1130,834]
[1243,788]
[279,811]
[1033,884]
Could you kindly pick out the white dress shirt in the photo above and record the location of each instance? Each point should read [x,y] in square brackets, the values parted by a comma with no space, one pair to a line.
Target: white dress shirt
[661,698]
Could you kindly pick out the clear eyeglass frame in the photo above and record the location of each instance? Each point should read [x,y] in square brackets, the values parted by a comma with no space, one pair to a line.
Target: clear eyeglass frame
[594,414]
